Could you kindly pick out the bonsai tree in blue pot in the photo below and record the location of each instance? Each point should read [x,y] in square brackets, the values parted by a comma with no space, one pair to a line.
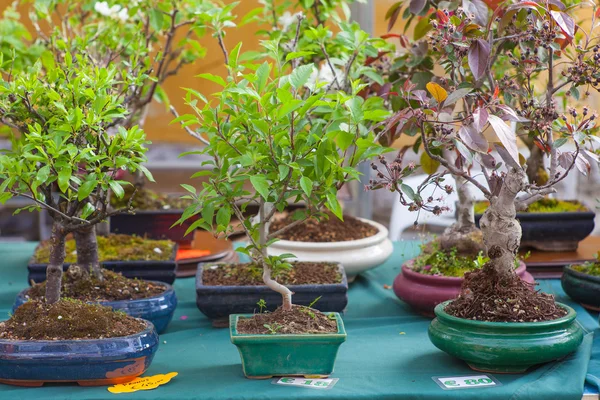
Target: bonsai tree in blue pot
[272,137]
[57,114]
[490,322]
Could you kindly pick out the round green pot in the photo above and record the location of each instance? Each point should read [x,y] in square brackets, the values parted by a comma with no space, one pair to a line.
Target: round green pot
[505,347]
[583,288]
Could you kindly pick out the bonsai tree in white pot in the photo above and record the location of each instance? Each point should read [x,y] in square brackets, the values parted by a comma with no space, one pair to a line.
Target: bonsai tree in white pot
[542,35]
[289,142]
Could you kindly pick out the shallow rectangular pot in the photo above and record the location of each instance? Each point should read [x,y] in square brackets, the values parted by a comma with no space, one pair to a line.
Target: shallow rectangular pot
[265,356]
[163,271]
[218,302]
[154,224]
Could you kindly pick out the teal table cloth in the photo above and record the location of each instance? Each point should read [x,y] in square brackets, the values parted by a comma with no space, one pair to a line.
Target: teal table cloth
[387,355]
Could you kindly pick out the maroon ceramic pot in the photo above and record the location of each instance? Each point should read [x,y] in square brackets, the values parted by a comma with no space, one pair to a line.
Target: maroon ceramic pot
[424,292]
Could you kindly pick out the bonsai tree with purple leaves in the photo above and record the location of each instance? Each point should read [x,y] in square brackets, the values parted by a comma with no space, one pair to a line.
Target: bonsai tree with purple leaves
[510,63]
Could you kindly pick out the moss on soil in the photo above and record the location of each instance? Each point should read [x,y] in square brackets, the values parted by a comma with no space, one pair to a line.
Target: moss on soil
[590,267]
[149,200]
[541,206]
[113,287]
[434,261]
[67,319]
[299,320]
[115,248]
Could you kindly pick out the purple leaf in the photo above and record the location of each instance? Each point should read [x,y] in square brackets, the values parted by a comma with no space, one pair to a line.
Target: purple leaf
[480,118]
[565,22]
[416,6]
[582,164]
[464,151]
[420,95]
[479,54]
[511,115]
[591,155]
[488,161]
[478,9]
[565,160]
[506,136]
[473,139]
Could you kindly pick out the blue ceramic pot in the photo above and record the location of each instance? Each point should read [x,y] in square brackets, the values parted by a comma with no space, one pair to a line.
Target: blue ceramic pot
[158,309]
[218,302]
[87,362]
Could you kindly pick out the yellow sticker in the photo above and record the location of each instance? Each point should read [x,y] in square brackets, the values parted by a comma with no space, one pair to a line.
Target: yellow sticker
[145,383]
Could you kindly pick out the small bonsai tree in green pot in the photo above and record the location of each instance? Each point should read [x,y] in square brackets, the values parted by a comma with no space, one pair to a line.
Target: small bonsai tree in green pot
[288,142]
[63,160]
[494,304]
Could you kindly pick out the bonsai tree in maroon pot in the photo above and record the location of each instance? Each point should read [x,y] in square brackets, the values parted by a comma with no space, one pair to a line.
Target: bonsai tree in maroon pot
[467,115]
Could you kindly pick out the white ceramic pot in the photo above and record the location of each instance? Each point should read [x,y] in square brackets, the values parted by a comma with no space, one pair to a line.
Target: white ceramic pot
[356,256]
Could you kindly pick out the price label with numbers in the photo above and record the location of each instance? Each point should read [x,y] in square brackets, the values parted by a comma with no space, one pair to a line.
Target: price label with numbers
[306,382]
[465,382]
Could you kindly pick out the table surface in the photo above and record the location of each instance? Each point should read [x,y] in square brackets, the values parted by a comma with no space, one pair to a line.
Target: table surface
[387,355]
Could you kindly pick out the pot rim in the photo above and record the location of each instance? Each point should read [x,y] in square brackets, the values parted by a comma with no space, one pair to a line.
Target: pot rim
[344,245]
[441,314]
[409,272]
[322,286]
[581,275]
[148,330]
[554,215]
[235,336]
[168,290]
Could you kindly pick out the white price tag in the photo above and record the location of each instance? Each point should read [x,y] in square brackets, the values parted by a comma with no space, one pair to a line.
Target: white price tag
[306,382]
[465,382]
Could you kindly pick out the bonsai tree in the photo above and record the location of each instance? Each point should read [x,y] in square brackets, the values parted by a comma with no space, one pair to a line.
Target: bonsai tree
[291,140]
[452,113]
[63,158]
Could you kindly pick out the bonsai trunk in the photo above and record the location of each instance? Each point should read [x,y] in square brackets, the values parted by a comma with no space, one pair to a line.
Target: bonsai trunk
[286,293]
[87,250]
[54,269]
[535,165]
[501,230]
[463,234]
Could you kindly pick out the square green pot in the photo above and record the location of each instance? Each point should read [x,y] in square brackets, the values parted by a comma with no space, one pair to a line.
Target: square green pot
[265,356]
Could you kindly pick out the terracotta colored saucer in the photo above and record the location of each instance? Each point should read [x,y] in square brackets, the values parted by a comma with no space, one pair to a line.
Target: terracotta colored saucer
[204,247]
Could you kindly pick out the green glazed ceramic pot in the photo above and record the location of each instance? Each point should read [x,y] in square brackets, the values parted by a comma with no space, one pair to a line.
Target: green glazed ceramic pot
[583,288]
[265,356]
[505,347]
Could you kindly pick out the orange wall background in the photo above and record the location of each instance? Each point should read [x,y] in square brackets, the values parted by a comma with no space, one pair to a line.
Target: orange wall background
[157,125]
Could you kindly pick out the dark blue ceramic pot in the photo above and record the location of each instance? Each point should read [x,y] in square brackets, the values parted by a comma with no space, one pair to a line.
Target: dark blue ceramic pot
[583,288]
[87,362]
[218,302]
[158,309]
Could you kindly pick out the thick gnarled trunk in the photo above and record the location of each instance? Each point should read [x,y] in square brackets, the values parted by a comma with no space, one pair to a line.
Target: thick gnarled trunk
[87,251]
[54,270]
[463,234]
[501,230]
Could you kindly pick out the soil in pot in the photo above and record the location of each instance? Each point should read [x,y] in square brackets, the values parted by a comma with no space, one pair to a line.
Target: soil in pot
[545,205]
[115,248]
[113,287]
[329,229]
[247,274]
[145,199]
[66,320]
[488,296]
[299,320]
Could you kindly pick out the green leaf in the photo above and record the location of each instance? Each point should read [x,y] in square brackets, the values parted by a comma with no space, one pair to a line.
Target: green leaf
[146,173]
[213,78]
[262,73]
[88,209]
[334,205]
[355,107]
[208,211]
[86,189]
[261,185]
[117,189]
[410,193]
[189,188]
[428,164]
[233,56]
[306,184]
[64,176]
[223,216]
[300,75]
